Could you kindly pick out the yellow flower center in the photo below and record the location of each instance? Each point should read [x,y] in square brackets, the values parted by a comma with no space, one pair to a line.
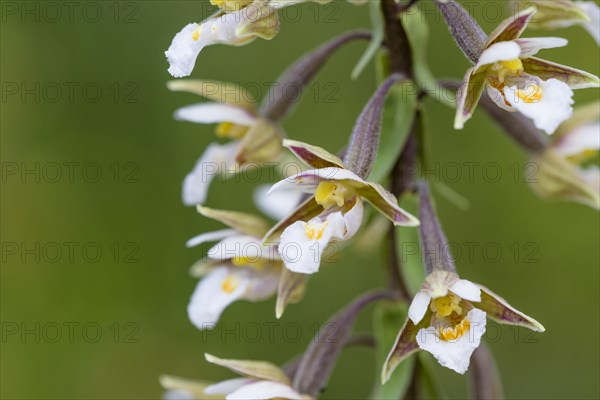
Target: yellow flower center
[230,130]
[230,5]
[444,306]
[315,231]
[532,94]
[329,194]
[230,283]
[455,332]
[510,67]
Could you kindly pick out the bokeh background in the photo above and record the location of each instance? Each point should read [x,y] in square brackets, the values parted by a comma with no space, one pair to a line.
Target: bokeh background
[117,120]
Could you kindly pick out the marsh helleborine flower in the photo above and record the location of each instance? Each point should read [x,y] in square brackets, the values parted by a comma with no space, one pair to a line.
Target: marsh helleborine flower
[447,316]
[238,22]
[334,210]
[238,267]
[517,81]
[253,139]
[567,169]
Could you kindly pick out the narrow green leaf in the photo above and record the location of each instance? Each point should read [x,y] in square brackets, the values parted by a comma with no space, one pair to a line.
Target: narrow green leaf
[376,39]
[417,31]
[387,321]
[398,116]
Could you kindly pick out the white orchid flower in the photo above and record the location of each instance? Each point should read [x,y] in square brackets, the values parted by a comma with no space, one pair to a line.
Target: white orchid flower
[238,267]
[253,139]
[519,82]
[334,210]
[239,22]
[566,169]
[447,318]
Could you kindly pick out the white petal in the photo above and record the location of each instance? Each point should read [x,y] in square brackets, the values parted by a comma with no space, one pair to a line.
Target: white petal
[302,244]
[240,246]
[353,220]
[183,51]
[264,390]
[277,205]
[418,307]
[530,46]
[213,295]
[554,107]
[455,354]
[209,237]
[215,159]
[208,113]
[501,51]
[466,290]
[593,11]
[583,138]
[227,386]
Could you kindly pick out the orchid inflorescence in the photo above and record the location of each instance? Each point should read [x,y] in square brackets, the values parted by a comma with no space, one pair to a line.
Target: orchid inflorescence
[332,196]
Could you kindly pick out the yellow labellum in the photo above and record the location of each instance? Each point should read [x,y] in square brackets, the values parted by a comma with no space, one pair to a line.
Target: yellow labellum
[532,94]
[329,194]
[456,332]
[313,232]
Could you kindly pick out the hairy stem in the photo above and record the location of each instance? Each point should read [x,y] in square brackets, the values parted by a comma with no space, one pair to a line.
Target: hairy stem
[396,40]
[400,56]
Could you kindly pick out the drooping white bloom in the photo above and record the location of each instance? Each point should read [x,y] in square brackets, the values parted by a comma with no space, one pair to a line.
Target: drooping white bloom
[232,28]
[519,82]
[447,318]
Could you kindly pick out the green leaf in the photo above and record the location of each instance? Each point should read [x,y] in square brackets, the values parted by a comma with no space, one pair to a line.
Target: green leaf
[418,35]
[376,39]
[398,115]
[388,319]
[409,248]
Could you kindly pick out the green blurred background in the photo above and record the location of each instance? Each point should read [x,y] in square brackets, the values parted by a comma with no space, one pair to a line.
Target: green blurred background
[137,290]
